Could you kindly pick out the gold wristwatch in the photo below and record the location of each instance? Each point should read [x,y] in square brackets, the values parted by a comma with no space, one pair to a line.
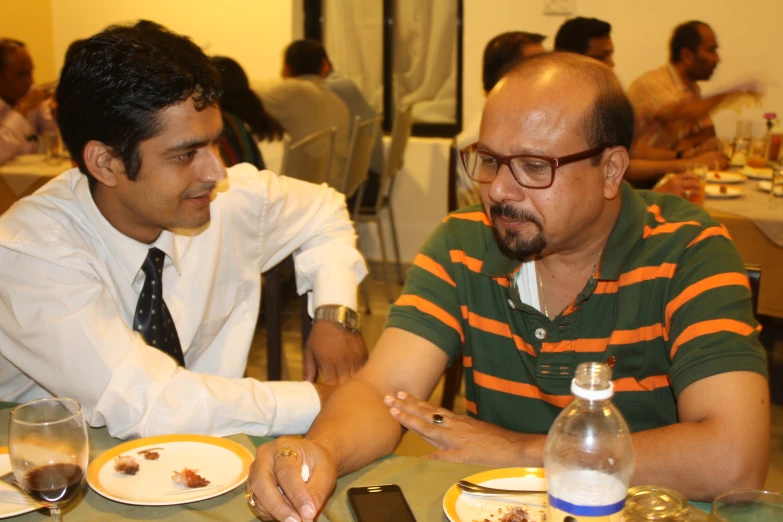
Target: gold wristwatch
[342,315]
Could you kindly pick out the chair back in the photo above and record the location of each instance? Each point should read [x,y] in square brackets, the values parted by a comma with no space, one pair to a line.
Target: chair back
[401,131]
[360,149]
[310,158]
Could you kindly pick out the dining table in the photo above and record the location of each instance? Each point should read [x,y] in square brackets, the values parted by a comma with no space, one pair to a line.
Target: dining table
[424,482]
[754,219]
[25,174]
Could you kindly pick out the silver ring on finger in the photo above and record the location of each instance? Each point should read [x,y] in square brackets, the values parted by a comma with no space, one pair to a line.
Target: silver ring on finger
[437,418]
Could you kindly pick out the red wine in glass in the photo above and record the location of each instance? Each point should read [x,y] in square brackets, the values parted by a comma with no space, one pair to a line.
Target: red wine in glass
[53,483]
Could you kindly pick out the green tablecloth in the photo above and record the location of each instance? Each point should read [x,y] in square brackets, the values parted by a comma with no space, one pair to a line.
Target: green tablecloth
[424,483]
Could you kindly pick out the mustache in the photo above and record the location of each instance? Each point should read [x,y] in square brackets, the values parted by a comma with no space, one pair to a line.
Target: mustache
[207,187]
[507,211]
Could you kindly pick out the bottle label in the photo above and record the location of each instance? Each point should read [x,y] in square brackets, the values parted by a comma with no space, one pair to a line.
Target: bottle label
[560,510]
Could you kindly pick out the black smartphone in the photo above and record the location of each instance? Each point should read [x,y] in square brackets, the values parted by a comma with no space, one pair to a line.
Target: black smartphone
[379,504]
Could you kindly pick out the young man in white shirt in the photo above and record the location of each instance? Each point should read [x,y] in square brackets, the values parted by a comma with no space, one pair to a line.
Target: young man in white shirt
[82,261]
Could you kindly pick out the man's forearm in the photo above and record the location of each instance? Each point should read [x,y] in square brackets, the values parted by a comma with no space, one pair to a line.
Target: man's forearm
[355,427]
[691,110]
[642,169]
[694,459]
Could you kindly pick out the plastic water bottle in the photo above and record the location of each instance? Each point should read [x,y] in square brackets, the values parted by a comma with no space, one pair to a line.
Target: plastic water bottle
[588,454]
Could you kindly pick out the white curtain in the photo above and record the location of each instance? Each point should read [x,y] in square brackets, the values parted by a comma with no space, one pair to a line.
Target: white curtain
[425,59]
[425,52]
[353,37]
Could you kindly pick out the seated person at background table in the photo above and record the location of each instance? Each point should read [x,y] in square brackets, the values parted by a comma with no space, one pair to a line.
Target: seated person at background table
[671,113]
[564,263]
[501,54]
[592,37]
[244,119]
[303,104]
[82,261]
[24,113]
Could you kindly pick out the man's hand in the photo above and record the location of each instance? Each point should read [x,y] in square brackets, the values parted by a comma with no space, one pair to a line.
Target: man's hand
[305,477]
[333,351]
[714,160]
[30,101]
[458,438]
[680,185]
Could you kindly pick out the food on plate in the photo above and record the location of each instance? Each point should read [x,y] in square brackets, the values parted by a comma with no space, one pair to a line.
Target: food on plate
[756,162]
[516,514]
[716,175]
[189,477]
[151,453]
[126,465]
[723,189]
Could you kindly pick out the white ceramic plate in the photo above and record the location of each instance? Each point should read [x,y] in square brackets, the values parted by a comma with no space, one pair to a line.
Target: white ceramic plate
[722,192]
[12,501]
[724,177]
[764,186]
[462,507]
[756,173]
[223,462]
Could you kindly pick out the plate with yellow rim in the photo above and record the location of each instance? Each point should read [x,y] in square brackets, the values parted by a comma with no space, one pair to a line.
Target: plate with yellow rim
[12,501]
[462,507]
[224,463]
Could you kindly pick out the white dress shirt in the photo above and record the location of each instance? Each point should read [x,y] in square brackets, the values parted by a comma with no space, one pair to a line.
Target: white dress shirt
[15,130]
[70,283]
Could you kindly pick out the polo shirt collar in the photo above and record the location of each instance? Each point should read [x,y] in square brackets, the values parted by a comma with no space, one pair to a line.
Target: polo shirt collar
[625,236]
[128,253]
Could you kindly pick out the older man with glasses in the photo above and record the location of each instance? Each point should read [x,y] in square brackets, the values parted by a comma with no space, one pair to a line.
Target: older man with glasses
[562,263]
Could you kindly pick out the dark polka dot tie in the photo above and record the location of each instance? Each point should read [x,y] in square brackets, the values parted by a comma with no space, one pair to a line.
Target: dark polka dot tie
[153,319]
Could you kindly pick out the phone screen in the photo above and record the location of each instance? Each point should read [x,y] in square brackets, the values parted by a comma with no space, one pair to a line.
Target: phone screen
[379,504]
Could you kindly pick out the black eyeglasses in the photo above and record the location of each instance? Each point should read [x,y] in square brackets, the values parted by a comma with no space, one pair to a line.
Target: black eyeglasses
[530,171]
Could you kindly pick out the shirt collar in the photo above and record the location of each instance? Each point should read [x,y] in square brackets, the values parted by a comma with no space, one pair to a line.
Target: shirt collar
[677,80]
[625,236]
[623,239]
[127,252]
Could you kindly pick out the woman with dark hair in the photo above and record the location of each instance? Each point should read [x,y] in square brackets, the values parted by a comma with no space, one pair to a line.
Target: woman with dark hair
[244,118]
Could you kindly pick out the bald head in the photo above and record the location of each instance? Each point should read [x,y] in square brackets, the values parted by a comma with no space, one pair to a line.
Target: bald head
[588,87]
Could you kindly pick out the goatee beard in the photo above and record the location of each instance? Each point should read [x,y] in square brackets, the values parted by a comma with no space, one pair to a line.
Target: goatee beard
[509,242]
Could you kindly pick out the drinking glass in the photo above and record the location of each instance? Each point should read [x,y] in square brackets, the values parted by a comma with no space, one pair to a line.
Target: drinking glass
[49,450]
[748,505]
[700,170]
[52,147]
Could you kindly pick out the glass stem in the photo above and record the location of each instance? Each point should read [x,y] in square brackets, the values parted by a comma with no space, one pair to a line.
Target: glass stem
[55,512]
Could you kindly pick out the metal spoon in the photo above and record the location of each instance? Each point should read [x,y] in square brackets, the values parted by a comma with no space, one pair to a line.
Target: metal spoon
[475,489]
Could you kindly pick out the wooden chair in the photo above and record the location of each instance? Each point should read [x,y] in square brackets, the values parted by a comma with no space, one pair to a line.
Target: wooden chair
[357,167]
[401,131]
[310,159]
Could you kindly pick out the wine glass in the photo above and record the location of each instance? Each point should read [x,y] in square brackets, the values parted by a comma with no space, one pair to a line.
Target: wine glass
[49,450]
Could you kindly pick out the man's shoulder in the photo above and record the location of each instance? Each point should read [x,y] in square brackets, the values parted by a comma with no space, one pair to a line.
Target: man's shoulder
[50,220]
[674,220]
[651,77]
[468,229]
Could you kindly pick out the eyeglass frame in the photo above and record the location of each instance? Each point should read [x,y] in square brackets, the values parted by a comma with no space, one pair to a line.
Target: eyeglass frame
[555,163]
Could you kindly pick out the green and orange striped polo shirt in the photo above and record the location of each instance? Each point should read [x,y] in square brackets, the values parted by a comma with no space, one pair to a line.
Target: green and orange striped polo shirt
[669,305]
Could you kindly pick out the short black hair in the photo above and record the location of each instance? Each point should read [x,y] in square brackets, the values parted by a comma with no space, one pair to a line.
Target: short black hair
[6,46]
[575,34]
[114,86]
[305,57]
[504,51]
[610,122]
[685,36]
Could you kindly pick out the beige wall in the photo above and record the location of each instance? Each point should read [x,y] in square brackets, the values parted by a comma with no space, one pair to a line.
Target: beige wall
[748,35]
[253,32]
[31,22]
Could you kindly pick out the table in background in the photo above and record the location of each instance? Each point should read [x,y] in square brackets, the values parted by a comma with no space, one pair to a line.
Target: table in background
[24,175]
[755,223]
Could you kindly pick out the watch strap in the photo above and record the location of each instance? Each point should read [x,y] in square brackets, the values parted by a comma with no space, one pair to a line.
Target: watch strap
[340,314]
